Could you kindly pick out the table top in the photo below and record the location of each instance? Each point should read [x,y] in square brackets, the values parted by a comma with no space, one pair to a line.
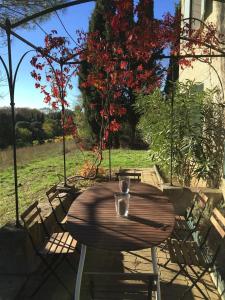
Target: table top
[92,218]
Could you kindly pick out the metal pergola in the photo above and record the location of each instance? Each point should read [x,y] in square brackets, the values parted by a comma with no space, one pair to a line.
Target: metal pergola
[11,78]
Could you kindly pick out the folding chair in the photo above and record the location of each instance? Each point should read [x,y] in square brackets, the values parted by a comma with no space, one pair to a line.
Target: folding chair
[56,246]
[186,225]
[121,286]
[133,175]
[55,199]
[189,253]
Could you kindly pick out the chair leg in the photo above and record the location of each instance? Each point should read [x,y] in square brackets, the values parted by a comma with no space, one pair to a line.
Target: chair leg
[79,272]
[194,284]
[166,263]
[178,273]
[51,270]
[155,270]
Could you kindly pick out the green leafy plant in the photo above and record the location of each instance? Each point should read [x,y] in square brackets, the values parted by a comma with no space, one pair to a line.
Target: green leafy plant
[197,132]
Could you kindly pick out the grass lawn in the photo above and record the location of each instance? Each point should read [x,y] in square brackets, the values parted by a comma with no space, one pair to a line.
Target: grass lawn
[40,171]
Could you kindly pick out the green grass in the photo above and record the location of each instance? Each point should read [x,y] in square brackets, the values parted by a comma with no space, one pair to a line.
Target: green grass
[39,172]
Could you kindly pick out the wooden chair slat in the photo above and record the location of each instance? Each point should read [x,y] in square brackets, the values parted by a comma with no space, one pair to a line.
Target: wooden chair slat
[171,251]
[179,256]
[60,242]
[33,217]
[129,174]
[217,226]
[29,210]
[53,196]
[51,190]
[203,197]
[132,276]
[219,216]
[187,253]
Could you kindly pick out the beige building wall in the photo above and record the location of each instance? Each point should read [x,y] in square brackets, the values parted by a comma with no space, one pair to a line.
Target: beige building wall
[214,75]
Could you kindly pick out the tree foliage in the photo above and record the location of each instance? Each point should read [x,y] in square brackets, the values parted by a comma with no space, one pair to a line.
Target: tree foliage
[17,10]
[31,124]
[198,132]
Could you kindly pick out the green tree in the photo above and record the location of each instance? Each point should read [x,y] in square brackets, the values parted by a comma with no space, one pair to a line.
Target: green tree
[24,136]
[50,128]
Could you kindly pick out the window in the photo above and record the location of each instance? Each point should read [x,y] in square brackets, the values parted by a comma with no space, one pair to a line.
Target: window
[208,8]
[198,9]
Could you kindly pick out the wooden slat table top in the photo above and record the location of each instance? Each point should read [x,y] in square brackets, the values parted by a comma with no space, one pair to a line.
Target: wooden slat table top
[92,218]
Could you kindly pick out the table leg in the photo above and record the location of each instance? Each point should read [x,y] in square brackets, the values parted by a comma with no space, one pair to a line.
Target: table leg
[79,272]
[155,270]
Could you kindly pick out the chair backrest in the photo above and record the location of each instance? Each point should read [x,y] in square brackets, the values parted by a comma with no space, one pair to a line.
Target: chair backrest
[217,223]
[53,194]
[55,200]
[132,175]
[32,215]
[200,202]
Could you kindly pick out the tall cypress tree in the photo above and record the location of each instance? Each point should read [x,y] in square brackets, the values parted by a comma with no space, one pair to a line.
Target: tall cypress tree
[90,95]
[173,69]
[144,7]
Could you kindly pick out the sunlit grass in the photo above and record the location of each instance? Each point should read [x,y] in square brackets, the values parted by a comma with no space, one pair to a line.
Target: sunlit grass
[40,171]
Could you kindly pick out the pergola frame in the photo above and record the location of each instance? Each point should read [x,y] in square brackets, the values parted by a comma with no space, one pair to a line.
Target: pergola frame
[11,78]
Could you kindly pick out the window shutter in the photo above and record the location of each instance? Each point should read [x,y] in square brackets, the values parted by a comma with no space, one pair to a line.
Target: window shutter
[203,7]
[187,9]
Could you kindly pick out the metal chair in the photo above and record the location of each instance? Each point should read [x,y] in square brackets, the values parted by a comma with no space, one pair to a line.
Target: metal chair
[133,175]
[121,286]
[186,225]
[55,199]
[189,253]
[55,246]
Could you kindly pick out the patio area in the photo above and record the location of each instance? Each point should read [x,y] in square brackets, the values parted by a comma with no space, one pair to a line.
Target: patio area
[96,260]
[20,286]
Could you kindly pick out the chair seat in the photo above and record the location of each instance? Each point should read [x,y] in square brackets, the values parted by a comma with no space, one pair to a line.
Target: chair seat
[182,224]
[121,286]
[59,242]
[187,253]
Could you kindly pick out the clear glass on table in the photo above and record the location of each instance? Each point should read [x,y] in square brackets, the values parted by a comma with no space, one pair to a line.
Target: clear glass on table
[122,204]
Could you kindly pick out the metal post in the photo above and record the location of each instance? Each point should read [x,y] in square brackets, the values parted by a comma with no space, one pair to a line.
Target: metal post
[12,103]
[64,144]
[110,160]
[172,125]
[109,141]
[63,127]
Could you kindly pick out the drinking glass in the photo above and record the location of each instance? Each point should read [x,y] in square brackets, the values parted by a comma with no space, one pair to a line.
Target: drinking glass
[122,204]
[124,184]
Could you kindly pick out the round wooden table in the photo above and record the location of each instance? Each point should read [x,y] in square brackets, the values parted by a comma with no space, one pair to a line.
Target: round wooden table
[92,220]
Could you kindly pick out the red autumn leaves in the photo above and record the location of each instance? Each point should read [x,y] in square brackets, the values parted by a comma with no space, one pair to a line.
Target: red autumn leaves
[126,59]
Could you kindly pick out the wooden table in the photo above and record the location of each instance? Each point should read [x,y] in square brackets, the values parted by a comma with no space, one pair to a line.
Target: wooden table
[93,222]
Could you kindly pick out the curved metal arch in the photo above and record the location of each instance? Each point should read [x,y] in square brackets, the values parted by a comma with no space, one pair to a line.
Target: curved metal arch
[5,68]
[18,66]
[49,10]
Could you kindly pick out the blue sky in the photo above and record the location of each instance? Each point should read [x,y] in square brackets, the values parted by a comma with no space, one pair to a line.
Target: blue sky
[74,18]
